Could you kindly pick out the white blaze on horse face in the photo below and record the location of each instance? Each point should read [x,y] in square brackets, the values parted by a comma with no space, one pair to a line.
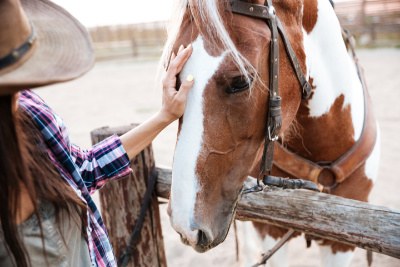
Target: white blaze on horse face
[184,178]
[332,69]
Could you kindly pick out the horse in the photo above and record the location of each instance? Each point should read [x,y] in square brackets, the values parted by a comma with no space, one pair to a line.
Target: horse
[221,135]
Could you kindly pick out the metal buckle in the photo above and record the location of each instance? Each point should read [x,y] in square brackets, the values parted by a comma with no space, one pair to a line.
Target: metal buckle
[257,188]
[306,90]
[271,11]
[254,189]
[273,139]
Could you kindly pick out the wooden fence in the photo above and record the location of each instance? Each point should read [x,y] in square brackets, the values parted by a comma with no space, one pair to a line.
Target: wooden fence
[378,19]
[363,15]
[372,17]
[133,40]
[331,217]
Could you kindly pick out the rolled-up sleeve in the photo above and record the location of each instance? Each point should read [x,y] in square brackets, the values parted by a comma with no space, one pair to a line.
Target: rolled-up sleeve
[107,160]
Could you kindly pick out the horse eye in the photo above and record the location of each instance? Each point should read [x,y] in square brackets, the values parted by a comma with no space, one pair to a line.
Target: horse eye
[239,84]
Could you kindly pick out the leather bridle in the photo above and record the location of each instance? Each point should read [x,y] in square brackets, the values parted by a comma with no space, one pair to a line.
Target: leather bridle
[342,167]
[267,13]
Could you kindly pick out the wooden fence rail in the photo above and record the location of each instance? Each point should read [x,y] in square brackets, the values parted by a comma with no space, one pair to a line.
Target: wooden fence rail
[331,217]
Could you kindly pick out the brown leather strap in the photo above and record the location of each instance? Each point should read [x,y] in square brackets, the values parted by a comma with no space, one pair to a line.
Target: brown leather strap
[274,116]
[358,154]
[267,12]
[287,161]
[295,165]
[344,166]
[286,183]
[306,87]
[249,9]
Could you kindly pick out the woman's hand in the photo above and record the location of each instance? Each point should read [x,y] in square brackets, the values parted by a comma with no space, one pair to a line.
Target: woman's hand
[173,104]
[172,108]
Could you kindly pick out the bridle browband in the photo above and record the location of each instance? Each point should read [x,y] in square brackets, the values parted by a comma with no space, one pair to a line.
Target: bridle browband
[267,13]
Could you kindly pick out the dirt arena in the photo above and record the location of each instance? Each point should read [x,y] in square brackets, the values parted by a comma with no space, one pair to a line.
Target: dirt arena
[122,92]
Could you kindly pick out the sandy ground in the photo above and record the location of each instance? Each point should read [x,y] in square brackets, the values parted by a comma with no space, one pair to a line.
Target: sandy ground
[123,92]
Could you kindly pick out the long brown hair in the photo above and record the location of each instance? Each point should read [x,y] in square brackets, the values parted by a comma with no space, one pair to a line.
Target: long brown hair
[25,165]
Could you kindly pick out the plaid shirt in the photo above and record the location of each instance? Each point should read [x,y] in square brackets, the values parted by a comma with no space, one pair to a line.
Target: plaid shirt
[84,170]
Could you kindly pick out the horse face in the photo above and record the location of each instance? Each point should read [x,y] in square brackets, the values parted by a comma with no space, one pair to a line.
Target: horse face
[221,133]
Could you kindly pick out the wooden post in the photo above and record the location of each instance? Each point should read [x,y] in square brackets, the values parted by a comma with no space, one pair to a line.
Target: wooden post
[331,217]
[120,205]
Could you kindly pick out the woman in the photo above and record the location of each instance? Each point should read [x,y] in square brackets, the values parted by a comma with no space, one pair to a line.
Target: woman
[47,215]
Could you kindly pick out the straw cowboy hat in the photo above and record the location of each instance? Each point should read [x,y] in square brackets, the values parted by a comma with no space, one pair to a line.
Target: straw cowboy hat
[40,44]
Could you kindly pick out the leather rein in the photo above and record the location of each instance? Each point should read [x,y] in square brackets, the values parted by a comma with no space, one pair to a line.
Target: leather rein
[267,13]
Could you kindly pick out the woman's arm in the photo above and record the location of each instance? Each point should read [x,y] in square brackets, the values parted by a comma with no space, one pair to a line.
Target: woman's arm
[107,159]
[172,108]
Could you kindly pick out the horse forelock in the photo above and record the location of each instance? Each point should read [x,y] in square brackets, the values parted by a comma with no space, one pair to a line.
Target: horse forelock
[210,18]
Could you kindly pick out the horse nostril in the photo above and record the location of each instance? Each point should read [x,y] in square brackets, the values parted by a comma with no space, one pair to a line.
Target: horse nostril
[202,239]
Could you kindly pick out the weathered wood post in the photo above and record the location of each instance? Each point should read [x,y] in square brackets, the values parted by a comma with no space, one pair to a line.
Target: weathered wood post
[120,205]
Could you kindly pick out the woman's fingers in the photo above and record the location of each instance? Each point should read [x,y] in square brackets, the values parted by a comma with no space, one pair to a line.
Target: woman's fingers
[180,49]
[185,86]
[174,101]
[182,62]
[176,64]
[181,58]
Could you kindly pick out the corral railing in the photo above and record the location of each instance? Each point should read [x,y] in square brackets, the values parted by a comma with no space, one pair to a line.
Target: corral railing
[145,40]
[362,16]
[356,223]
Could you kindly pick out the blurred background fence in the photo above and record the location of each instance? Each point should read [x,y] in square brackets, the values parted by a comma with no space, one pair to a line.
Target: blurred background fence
[375,23]
[141,41]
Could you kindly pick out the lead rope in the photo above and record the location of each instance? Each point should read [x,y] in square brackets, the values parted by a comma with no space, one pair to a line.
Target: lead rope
[125,257]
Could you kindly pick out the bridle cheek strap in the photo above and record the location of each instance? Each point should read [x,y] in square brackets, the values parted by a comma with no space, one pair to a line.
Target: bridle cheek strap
[267,13]
[274,115]
[306,87]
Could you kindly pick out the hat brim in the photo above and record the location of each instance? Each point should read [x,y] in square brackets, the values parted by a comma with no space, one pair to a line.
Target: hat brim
[63,50]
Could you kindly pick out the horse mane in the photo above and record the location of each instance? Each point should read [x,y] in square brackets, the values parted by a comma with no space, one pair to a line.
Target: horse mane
[210,15]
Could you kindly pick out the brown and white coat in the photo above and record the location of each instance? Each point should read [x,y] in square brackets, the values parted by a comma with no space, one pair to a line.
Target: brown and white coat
[220,138]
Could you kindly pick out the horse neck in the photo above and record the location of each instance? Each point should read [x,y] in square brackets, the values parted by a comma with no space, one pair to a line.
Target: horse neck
[330,122]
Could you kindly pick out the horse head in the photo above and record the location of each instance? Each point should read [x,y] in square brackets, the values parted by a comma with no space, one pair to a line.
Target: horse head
[221,134]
